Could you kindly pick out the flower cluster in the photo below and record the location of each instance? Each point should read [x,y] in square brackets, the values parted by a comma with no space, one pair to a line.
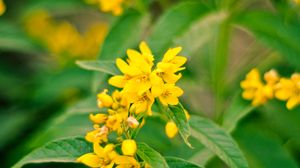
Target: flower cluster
[62,38]
[2,7]
[285,89]
[141,83]
[114,6]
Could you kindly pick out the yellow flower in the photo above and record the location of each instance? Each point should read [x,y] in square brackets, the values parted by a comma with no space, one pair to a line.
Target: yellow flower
[289,90]
[104,100]
[141,103]
[114,122]
[171,129]
[297,1]
[101,158]
[129,147]
[98,118]
[114,6]
[98,134]
[126,162]
[170,94]
[2,7]
[255,90]
[170,65]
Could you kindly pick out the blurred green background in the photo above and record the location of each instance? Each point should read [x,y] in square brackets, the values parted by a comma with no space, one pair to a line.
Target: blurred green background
[45,96]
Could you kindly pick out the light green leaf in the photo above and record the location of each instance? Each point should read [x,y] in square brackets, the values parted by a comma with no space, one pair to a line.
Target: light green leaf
[108,67]
[218,141]
[175,162]
[275,32]
[151,156]
[174,23]
[65,150]
[178,116]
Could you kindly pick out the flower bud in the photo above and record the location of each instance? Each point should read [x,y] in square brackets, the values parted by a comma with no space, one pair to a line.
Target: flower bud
[132,122]
[129,147]
[98,118]
[171,129]
[104,100]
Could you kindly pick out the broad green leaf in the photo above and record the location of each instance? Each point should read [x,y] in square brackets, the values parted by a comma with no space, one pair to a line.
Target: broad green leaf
[65,150]
[125,33]
[218,141]
[174,23]
[273,31]
[150,156]
[238,109]
[179,163]
[108,67]
[263,149]
[178,116]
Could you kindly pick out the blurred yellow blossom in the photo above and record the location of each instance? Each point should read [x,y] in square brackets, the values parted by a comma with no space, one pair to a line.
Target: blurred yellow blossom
[256,90]
[2,7]
[62,39]
[289,90]
[114,6]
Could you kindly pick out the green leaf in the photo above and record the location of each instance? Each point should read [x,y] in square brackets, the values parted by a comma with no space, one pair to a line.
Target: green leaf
[175,162]
[125,33]
[178,116]
[65,150]
[218,141]
[174,23]
[108,67]
[238,109]
[275,32]
[263,149]
[151,156]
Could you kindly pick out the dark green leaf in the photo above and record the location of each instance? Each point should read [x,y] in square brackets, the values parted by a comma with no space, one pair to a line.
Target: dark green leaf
[178,116]
[65,150]
[174,162]
[150,156]
[218,141]
[108,67]
[273,31]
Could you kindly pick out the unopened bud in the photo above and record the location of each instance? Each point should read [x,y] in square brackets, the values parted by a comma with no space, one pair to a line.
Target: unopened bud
[132,122]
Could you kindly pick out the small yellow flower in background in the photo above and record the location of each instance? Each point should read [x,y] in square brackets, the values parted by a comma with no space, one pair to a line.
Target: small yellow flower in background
[98,118]
[2,7]
[289,90]
[129,147]
[114,6]
[256,90]
[126,162]
[297,1]
[99,134]
[63,39]
[171,129]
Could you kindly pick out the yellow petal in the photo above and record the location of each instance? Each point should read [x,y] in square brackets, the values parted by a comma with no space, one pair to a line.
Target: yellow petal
[126,69]
[179,61]
[90,160]
[98,118]
[129,147]
[171,129]
[117,81]
[171,53]
[248,94]
[98,149]
[134,55]
[144,48]
[172,78]
[283,94]
[292,102]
